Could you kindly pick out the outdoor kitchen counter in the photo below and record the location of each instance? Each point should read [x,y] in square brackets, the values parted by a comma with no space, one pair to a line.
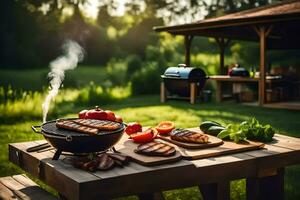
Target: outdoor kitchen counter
[264,170]
[237,79]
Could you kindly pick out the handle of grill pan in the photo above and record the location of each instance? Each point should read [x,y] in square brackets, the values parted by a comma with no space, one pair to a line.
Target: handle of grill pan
[35,129]
[68,138]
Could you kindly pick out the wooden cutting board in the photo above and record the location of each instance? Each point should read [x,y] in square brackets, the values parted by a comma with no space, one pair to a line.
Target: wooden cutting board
[226,148]
[127,147]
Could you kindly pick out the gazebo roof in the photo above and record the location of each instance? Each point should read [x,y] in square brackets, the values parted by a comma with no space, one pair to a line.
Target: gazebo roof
[283,17]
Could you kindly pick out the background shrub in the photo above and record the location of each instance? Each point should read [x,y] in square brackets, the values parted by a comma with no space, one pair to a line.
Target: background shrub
[134,63]
[147,80]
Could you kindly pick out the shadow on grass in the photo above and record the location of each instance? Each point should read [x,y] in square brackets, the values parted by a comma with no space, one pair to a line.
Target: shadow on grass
[283,120]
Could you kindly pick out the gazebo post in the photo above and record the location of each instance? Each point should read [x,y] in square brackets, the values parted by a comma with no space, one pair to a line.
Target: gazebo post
[263,33]
[187,43]
[222,42]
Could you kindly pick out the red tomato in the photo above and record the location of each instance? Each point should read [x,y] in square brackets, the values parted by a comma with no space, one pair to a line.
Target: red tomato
[144,137]
[118,118]
[96,113]
[165,127]
[110,115]
[82,114]
[133,127]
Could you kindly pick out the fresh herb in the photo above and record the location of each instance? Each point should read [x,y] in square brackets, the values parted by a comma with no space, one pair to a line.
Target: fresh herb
[256,131]
[250,129]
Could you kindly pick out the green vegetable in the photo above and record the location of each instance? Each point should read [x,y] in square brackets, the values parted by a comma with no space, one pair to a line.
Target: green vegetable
[232,132]
[250,129]
[256,131]
[223,134]
[214,130]
[237,136]
[206,125]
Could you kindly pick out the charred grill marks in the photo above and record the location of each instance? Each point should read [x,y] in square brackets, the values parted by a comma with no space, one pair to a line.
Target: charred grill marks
[88,126]
[99,124]
[184,135]
[71,125]
[155,149]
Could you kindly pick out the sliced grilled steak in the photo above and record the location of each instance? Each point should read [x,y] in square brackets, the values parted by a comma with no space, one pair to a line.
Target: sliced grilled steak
[184,135]
[105,162]
[155,149]
[91,165]
[70,125]
[119,157]
[99,124]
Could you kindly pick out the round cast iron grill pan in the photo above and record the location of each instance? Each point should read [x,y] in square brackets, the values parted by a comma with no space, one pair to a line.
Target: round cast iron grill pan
[76,142]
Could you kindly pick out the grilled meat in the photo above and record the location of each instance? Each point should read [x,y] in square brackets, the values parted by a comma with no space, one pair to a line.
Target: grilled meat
[184,135]
[71,125]
[90,166]
[99,124]
[155,149]
[105,162]
[124,159]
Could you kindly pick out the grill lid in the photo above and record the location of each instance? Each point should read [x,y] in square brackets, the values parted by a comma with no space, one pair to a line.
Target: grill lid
[184,72]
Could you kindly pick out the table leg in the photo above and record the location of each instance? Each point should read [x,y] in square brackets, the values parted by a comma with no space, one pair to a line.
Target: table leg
[219,91]
[216,191]
[270,187]
[151,196]
[162,92]
[193,93]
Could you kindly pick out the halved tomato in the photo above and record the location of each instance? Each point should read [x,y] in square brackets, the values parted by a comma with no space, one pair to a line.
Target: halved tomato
[145,136]
[133,127]
[165,127]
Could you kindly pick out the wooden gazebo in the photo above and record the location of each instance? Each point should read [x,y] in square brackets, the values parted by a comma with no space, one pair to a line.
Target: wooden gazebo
[274,27]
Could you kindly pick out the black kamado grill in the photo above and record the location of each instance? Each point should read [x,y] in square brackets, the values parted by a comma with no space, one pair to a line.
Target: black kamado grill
[182,82]
[75,142]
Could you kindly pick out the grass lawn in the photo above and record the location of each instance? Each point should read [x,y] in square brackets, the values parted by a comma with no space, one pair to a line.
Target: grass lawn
[148,111]
[38,77]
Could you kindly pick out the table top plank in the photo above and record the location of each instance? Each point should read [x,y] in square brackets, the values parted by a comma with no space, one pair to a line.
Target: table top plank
[5,193]
[221,160]
[11,183]
[135,168]
[286,142]
[227,167]
[24,188]
[64,178]
[65,169]
[243,79]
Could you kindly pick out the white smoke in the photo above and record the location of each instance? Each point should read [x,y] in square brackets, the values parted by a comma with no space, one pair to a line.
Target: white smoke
[72,54]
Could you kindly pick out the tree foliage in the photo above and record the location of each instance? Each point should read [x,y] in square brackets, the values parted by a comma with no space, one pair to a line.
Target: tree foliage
[33,31]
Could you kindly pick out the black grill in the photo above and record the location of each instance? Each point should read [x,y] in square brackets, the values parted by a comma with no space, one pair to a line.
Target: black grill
[177,80]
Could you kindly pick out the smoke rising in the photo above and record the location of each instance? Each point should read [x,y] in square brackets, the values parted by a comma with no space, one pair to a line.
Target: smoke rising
[72,54]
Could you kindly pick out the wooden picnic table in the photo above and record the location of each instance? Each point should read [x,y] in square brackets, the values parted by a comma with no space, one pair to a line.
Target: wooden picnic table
[237,79]
[263,170]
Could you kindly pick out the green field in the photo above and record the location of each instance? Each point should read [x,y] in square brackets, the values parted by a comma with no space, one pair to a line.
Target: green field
[17,116]
[36,79]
